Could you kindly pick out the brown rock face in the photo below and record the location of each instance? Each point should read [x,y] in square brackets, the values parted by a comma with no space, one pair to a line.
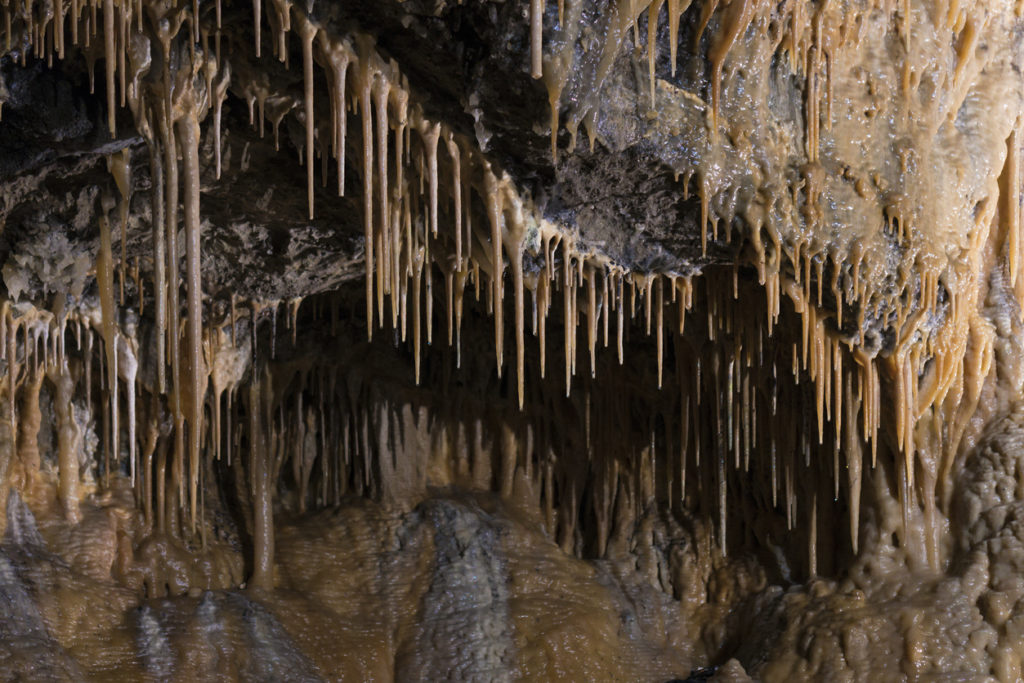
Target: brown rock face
[575,340]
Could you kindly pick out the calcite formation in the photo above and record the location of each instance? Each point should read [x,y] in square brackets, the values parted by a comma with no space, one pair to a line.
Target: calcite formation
[330,351]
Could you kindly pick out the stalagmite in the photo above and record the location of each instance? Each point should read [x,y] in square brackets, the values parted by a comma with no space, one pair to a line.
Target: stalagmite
[29,423]
[68,441]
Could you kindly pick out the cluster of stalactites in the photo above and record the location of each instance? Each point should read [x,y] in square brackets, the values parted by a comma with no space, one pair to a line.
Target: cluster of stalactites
[718,435]
[452,214]
[811,35]
[409,190]
[169,80]
[818,41]
[933,367]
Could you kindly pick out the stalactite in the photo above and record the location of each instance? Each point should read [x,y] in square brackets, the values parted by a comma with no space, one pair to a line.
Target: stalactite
[381,90]
[494,214]
[737,17]
[109,330]
[259,459]
[127,370]
[109,47]
[365,91]
[188,132]
[339,57]
[536,38]
[307,32]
